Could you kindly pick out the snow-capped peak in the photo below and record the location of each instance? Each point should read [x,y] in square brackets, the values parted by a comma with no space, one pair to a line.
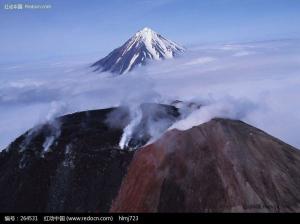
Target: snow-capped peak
[146,31]
[146,34]
[157,45]
[144,45]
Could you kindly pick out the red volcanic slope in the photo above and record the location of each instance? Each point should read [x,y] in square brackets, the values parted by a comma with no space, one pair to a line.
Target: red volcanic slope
[219,166]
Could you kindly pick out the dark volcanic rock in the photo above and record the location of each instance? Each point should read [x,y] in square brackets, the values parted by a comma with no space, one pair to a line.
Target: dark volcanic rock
[81,172]
[72,164]
[219,166]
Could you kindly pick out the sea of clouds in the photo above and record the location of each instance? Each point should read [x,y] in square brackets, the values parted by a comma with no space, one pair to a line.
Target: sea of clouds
[257,82]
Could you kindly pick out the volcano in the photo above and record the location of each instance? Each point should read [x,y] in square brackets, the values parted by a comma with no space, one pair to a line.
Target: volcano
[219,166]
[145,45]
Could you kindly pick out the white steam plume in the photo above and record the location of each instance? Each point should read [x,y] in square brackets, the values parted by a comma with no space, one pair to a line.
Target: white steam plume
[135,119]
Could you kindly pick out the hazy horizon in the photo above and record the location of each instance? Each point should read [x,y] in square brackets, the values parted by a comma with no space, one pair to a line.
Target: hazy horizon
[74,28]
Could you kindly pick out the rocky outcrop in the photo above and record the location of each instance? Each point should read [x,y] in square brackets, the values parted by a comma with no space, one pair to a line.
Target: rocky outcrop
[219,166]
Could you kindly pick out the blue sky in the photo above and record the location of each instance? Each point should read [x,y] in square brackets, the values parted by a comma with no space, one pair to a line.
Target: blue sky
[81,27]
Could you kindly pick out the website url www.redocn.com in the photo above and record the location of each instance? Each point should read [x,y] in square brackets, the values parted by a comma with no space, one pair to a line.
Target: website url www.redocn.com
[90,218]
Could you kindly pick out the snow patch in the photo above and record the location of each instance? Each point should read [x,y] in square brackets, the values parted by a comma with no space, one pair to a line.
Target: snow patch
[131,62]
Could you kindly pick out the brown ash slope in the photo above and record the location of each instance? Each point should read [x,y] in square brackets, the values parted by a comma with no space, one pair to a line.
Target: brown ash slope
[220,166]
[72,164]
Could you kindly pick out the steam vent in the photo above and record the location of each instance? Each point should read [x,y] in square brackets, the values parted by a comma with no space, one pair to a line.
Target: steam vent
[75,163]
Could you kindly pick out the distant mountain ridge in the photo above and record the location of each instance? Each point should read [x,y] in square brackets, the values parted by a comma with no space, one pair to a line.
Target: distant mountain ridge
[146,44]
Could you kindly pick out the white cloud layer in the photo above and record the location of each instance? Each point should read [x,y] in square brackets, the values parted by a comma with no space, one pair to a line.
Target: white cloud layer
[255,82]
